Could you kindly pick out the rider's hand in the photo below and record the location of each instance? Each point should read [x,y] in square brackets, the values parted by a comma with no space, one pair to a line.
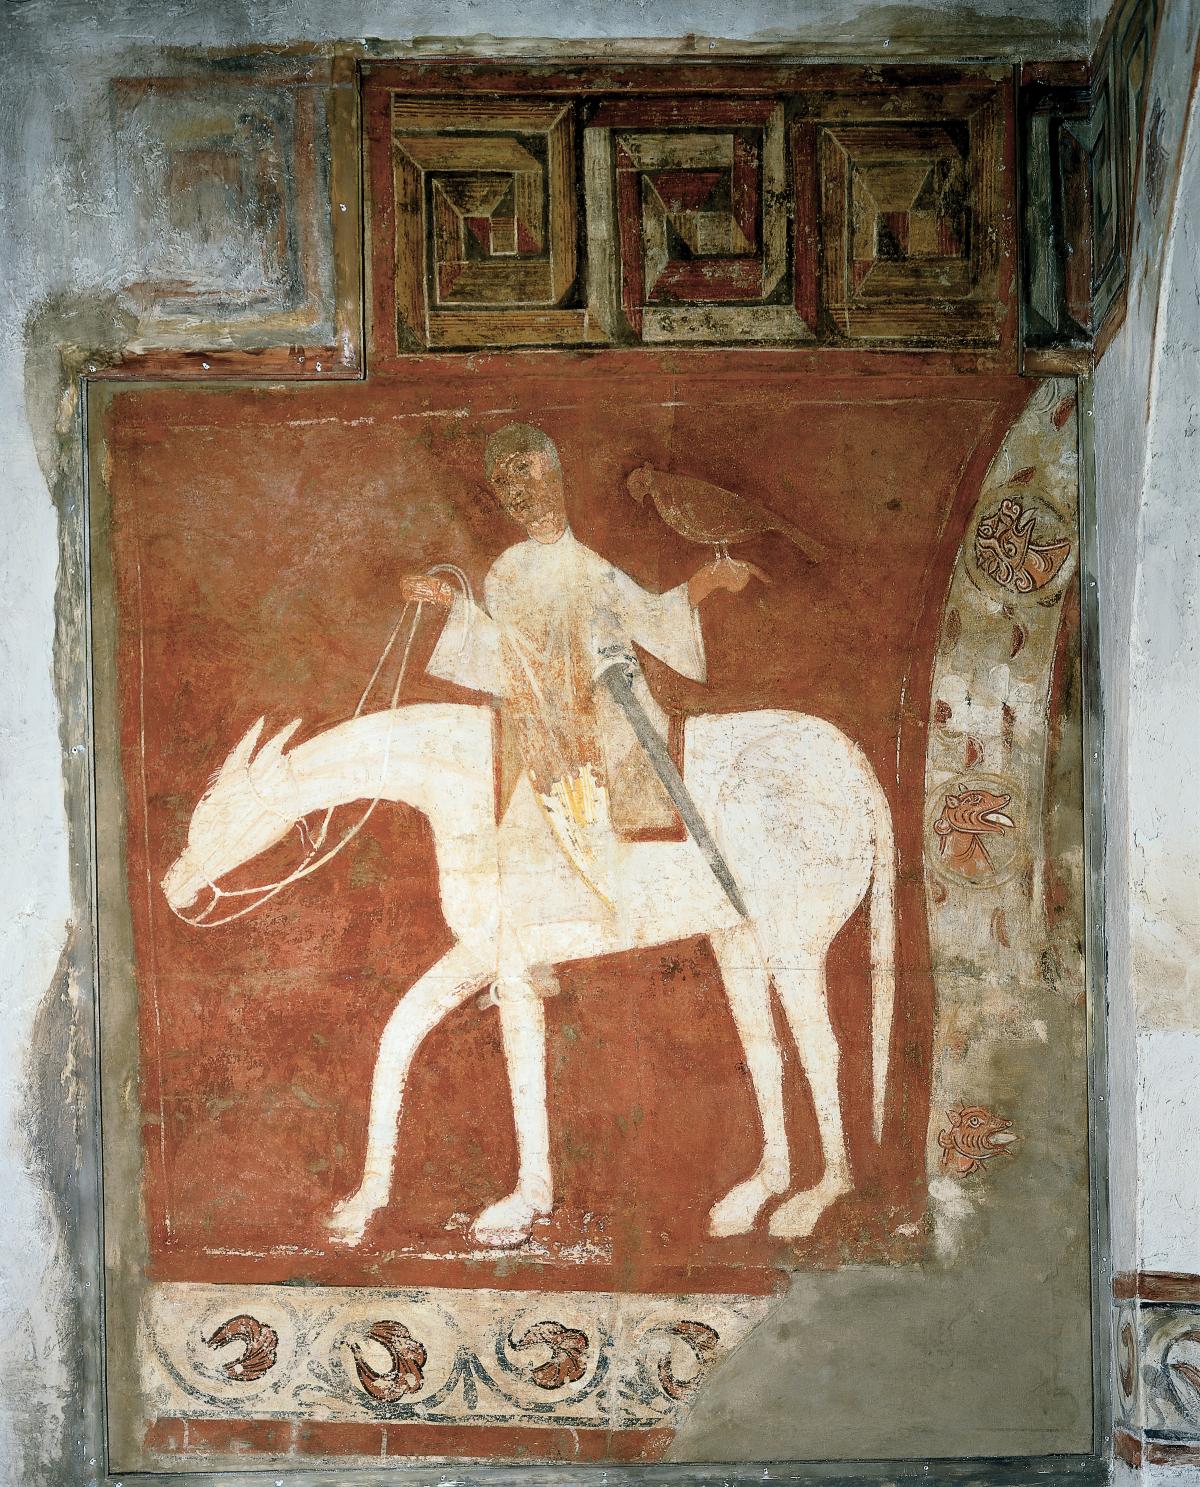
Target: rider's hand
[423,588]
[722,573]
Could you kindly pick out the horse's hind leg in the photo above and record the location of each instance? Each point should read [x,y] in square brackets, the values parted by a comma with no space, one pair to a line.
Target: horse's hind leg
[802,990]
[443,987]
[748,988]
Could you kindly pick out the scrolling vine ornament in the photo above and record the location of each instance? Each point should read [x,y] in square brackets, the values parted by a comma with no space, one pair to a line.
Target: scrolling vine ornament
[259,1353]
[568,1347]
[409,1357]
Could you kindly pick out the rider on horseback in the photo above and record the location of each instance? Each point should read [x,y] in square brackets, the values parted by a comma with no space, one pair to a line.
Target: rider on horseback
[803,822]
[555,615]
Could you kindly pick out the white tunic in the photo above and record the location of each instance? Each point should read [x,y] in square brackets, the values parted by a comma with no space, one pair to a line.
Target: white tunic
[544,606]
[543,602]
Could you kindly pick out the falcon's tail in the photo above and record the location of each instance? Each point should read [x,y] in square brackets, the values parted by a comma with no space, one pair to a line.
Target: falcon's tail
[813,550]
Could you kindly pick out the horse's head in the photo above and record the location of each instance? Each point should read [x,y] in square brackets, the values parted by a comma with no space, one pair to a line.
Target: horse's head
[244,811]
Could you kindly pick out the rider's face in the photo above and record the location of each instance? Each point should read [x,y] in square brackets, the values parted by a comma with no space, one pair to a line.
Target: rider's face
[529,486]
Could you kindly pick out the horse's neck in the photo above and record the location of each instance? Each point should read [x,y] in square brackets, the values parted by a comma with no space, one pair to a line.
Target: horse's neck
[435,757]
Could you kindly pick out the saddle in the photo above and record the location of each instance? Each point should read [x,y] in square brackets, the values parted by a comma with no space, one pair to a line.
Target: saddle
[638,805]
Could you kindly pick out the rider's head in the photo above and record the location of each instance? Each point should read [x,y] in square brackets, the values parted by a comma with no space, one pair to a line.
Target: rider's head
[523,469]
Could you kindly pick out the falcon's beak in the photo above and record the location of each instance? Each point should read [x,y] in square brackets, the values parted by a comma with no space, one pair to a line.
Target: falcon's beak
[638,484]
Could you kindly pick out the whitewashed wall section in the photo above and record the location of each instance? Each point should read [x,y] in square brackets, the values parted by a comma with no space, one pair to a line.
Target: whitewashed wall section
[1002,973]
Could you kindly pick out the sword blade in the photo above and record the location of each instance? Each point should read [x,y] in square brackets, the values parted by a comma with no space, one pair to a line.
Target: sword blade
[616,679]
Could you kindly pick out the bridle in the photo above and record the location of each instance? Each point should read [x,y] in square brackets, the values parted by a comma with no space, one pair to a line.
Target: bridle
[315,857]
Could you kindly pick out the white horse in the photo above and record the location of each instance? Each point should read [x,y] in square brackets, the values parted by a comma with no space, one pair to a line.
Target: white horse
[804,827]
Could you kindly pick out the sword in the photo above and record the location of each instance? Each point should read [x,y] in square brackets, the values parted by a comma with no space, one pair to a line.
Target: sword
[616,678]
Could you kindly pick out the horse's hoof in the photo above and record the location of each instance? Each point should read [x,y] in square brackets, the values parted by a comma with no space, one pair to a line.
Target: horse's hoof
[739,1208]
[499,1236]
[348,1222]
[797,1218]
[507,1223]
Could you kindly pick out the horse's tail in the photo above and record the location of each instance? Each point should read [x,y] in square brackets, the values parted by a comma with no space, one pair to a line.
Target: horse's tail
[883,950]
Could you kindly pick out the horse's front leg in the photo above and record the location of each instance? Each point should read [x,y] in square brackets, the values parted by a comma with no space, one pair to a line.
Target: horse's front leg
[523,1029]
[445,986]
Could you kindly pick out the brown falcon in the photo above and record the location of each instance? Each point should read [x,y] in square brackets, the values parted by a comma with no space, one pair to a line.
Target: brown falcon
[707,514]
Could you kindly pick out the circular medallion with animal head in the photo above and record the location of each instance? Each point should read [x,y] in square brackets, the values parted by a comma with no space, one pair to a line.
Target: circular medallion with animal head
[1019,546]
[973,830]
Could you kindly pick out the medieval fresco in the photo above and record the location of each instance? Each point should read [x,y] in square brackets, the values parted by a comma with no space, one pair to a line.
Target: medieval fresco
[591,924]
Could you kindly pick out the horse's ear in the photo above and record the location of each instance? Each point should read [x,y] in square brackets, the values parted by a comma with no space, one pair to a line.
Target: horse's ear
[271,752]
[239,757]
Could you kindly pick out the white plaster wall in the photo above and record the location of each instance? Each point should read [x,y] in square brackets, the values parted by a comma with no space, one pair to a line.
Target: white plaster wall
[1164,755]
[61,230]
[1144,393]
[1164,711]
[1169,1150]
[1146,422]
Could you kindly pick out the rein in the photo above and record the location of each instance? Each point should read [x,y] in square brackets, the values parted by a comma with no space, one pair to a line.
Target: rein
[262,893]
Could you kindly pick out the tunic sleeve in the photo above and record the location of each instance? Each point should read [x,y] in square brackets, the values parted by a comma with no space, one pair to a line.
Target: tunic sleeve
[667,625]
[468,649]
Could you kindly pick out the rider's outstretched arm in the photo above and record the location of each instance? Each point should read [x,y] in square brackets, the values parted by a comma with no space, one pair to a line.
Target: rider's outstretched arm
[468,649]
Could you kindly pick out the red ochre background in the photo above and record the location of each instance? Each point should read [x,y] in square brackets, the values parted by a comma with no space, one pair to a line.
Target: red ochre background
[258,537]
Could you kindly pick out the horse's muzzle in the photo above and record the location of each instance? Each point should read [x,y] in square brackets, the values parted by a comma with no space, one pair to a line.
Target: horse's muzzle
[181,884]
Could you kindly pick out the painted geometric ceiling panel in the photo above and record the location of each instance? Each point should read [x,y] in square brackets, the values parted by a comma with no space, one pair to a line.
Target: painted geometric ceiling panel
[823,207]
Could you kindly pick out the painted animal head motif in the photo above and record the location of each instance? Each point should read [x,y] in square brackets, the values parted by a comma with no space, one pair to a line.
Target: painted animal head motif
[243,812]
[974,1128]
[974,1136]
[973,812]
[1006,551]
